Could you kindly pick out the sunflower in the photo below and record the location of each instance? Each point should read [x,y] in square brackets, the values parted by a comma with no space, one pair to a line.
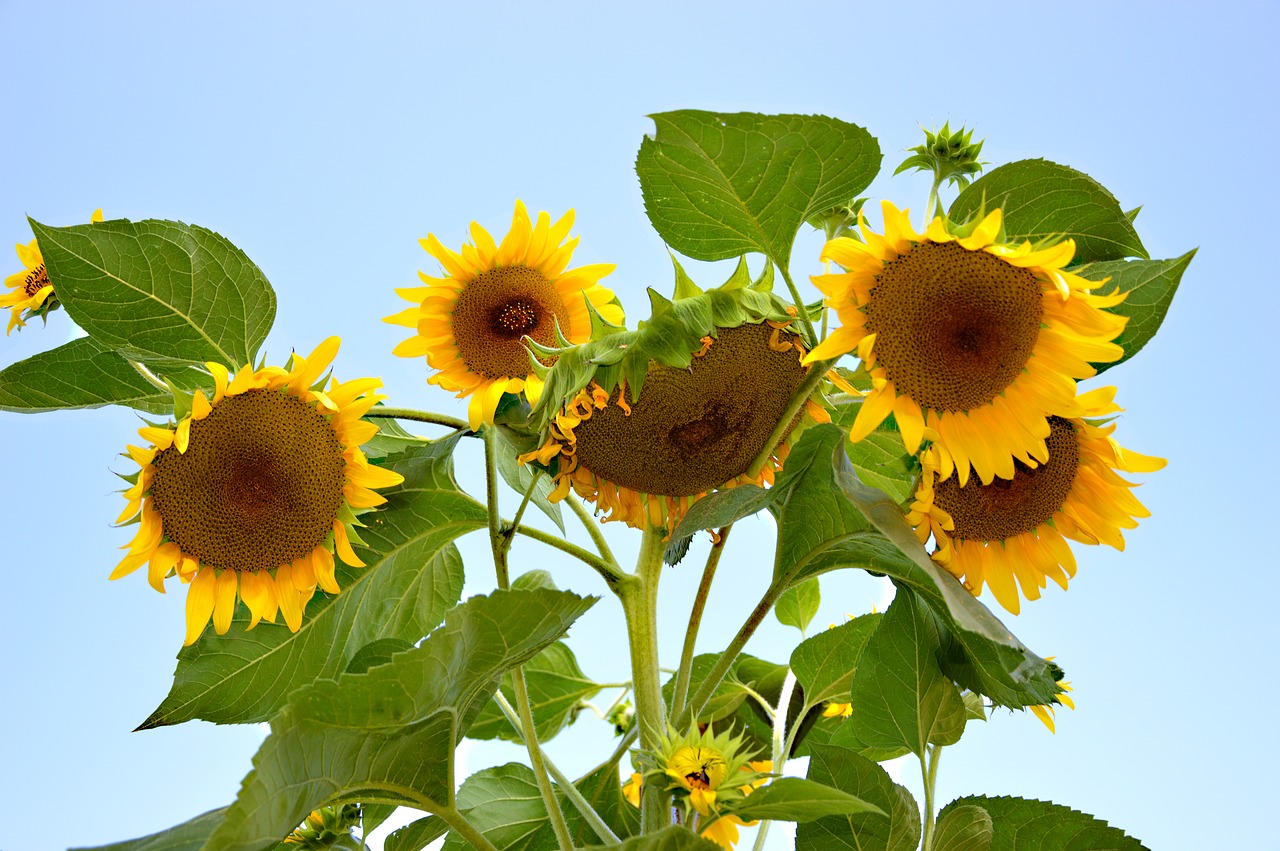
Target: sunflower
[645,459]
[976,340]
[471,323]
[32,293]
[1011,534]
[1047,713]
[250,494]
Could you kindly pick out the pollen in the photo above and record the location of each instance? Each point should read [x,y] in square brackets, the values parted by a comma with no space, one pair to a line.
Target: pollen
[694,429]
[260,484]
[1007,508]
[496,310]
[953,327]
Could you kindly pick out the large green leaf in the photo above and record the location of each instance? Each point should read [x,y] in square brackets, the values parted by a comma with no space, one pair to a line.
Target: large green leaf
[1021,824]
[1042,199]
[796,799]
[1151,285]
[389,735]
[966,828]
[413,576]
[188,836]
[824,664]
[900,695]
[557,686]
[83,374]
[721,185]
[799,604]
[160,291]
[847,771]
[504,804]
[725,700]
[416,835]
[674,838]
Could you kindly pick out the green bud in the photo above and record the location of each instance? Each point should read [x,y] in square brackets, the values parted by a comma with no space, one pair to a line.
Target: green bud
[952,156]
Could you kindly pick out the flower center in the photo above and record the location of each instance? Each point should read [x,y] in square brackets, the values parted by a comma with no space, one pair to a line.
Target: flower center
[695,429]
[36,280]
[953,327]
[259,485]
[496,310]
[1007,508]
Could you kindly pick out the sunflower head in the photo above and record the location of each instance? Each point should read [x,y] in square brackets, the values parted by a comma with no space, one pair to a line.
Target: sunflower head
[1011,534]
[708,773]
[471,323]
[967,338]
[646,422]
[326,828]
[249,495]
[31,292]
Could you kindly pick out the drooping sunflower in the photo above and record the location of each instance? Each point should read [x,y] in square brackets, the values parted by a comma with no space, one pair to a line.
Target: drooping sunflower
[1012,533]
[977,340]
[652,420]
[471,323]
[31,291]
[250,494]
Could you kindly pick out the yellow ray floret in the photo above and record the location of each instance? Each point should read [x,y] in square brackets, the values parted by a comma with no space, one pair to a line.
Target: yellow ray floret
[251,495]
[31,288]
[1012,534]
[974,340]
[471,322]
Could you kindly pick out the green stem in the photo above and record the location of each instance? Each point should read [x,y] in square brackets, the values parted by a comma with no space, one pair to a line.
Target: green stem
[817,372]
[499,542]
[150,377]
[597,824]
[930,774]
[683,673]
[419,417]
[612,575]
[509,529]
[640,605]
[729,656]
[802,313]
[458,824]
[933,200]
[779,743]
[593,529]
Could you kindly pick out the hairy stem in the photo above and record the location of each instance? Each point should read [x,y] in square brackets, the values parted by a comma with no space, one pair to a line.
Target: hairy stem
[612,575]
[816,373]
[930,774]
[683,673]
[811,339]
[640,604]
[458,824]
[593,529]
[780,743]
[418,417]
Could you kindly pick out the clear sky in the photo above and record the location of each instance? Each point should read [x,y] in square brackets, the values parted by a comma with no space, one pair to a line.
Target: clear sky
[324,139]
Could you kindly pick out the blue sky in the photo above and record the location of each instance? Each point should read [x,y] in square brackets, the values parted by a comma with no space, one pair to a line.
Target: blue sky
[325,139]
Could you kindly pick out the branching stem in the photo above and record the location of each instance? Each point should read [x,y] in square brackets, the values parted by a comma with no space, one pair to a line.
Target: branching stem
[684,672]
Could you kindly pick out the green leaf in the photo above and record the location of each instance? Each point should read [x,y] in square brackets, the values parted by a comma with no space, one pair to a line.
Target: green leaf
[798,605]
[846,736]
[520,476]
[1042,199]
[504,804]
[966,828]
[390,733]
[725,700]
[899,692]
[83,374]
[188,836]
[416,835]
[718,186]
[160,291]
[824,664]
[413,576]
[375,653]
[1020,824]
[795,799]
[557,687]
[1151,285]
[879,459]
[373,815]
[603,792]
[674,838]
[845,770]
[391,439]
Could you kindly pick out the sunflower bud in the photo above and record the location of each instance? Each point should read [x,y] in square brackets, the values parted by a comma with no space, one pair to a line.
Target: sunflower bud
[951,156]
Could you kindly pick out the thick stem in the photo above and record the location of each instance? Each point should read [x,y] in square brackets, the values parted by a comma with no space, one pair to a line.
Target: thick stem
[729,656]
[817,371]
[780,743]
[419,417]
[499,542]
[930,774]
[683,673]
[458,824]
[640,604]
[933,200]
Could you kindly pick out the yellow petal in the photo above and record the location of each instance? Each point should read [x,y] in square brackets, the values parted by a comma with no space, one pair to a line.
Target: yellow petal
[224,601]
[201,598]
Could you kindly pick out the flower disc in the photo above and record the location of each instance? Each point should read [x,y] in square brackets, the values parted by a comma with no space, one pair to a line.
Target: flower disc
[1007,508]
[953,327]
[259,485]
[497,310]
[695,429]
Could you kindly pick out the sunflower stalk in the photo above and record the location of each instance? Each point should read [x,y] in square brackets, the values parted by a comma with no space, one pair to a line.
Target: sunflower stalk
[611,574]
[781,744]
[589,814]
[929,772]
[640,605]
[681,691]
[500,542]
[811,339]
[419,417]
[816,373]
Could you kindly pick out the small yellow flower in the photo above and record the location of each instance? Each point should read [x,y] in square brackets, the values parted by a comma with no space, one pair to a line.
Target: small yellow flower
[32,292]
[837,710]
[1047,713]
[631,789]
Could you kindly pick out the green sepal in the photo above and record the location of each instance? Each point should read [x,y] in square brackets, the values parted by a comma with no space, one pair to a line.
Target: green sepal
[685,287]
[182,401]
[348,515]
[353,536]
